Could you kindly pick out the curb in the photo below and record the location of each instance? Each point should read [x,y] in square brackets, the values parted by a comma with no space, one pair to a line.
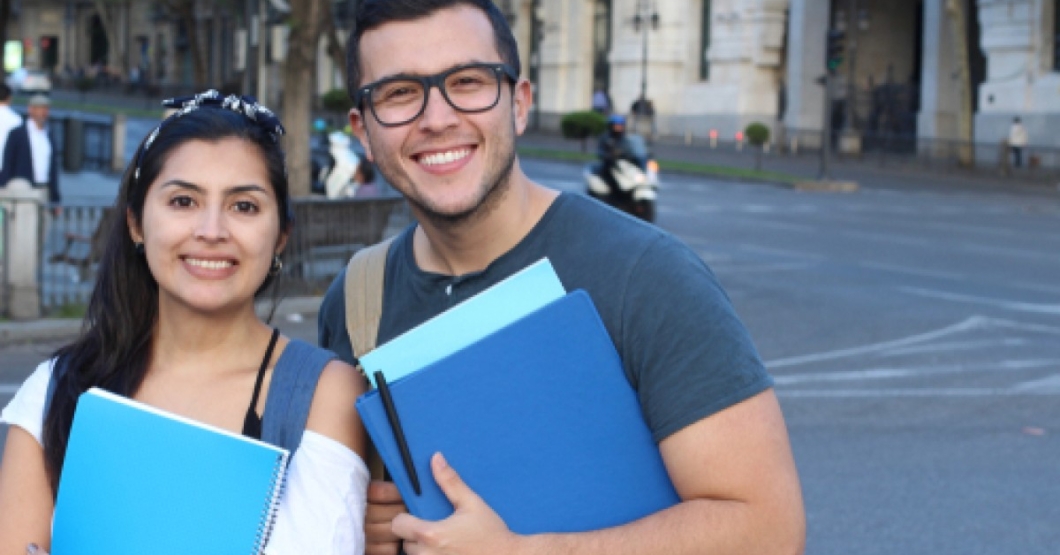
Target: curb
[67,329]
[827,186]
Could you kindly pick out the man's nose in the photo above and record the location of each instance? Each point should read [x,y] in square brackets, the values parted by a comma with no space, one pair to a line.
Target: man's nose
[438,114]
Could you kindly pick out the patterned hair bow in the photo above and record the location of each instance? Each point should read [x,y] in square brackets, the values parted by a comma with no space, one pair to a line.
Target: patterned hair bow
[246,106]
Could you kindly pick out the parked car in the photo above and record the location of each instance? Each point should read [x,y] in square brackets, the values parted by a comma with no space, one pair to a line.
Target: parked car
[29,81]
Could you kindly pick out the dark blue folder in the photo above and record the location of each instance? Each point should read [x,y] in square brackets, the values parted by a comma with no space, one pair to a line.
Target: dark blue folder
[538,418]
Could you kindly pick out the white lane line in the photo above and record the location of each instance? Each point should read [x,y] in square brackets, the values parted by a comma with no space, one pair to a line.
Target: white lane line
[890,238]
[783,252]
[913,271]
[762,268]
[1038,308]
[910,392]
[1049,383]
[1043,254]
[954,346]
[783,226]
[891,373]
[975,322]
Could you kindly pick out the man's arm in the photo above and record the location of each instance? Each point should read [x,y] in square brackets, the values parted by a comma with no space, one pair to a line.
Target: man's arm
[733,470]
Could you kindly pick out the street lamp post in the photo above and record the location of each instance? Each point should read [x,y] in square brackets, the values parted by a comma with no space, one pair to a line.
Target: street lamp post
[647,14]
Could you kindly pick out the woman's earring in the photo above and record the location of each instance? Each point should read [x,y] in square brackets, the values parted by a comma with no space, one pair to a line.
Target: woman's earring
[139,248]
[277,266]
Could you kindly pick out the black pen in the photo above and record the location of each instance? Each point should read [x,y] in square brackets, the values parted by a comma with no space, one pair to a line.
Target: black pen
[399,434]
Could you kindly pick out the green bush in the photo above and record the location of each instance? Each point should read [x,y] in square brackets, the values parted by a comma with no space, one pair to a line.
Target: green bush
[757,134]
[582,125]
[336,100]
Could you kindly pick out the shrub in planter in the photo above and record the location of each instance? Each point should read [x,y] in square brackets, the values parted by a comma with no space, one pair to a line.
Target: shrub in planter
[758,135]
[582,125]
[336,100]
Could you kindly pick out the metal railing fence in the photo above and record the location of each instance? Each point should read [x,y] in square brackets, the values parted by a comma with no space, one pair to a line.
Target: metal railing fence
[326,234]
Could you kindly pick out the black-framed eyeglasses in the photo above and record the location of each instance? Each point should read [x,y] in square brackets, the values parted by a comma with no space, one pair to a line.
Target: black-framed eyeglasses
[469,88]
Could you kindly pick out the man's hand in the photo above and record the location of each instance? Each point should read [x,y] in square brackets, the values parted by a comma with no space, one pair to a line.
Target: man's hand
[384,503]
[472,529]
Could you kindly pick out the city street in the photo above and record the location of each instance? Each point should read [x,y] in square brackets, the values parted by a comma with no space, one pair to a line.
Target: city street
[915,341]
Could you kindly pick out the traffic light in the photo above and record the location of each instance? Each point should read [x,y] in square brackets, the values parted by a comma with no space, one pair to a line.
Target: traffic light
[835,49]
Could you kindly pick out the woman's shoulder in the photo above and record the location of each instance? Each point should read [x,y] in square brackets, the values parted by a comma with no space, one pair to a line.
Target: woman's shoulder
[26,408]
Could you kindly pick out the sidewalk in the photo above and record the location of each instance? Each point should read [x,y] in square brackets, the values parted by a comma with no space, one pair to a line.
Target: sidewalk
[66,329]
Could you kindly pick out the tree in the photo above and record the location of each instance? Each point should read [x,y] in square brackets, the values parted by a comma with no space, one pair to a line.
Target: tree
[184,12]
[5,15]
[306,22]
[959,22]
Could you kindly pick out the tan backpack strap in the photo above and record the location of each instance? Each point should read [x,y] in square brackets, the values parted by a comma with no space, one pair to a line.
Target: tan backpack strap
[364,308]
[364,296]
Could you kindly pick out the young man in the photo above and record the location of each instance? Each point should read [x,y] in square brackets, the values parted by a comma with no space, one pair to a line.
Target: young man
[440,117]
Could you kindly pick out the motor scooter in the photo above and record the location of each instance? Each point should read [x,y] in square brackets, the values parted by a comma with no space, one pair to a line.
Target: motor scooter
[636,178]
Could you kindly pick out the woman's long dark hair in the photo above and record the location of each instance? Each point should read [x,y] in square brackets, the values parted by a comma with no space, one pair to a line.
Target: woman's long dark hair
[114,347]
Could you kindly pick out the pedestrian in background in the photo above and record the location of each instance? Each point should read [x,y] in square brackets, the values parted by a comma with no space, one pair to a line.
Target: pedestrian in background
[9,119]
[601,101]
[30,153]
[1017,141]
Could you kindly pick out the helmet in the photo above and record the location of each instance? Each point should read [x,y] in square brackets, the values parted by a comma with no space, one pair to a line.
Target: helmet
[616,119]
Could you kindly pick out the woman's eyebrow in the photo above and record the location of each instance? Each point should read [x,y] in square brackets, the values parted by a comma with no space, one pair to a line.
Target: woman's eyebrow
[234,190]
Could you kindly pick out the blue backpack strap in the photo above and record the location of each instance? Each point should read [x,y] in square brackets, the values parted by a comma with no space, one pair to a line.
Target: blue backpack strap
[294,381]
[53,381]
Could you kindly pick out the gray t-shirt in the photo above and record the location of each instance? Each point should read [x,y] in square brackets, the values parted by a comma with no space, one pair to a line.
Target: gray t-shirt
[683,348]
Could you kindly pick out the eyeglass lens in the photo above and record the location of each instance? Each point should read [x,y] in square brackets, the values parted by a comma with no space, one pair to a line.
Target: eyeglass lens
[471,89]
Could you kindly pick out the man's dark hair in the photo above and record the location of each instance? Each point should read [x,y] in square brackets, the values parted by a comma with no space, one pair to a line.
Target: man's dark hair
[372,14]
[5,92]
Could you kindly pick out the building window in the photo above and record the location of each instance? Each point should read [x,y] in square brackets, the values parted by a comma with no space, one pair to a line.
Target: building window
[704,41]
[1056,36]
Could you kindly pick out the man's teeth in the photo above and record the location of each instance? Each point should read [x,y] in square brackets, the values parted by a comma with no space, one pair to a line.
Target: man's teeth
[445,157]
[209,264]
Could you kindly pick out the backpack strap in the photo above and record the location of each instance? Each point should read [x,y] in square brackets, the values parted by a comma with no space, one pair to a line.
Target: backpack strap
[291,390]
[365,275]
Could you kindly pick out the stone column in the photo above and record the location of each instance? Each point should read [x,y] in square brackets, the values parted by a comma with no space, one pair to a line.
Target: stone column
[938,88]
[807,30]
[22,205]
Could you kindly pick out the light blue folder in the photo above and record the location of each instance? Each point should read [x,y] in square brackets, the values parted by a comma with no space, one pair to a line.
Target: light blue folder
[538,419]
[520,294]
[139,480]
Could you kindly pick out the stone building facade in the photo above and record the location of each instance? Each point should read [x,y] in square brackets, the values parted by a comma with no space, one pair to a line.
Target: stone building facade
[705,64]
[721,64]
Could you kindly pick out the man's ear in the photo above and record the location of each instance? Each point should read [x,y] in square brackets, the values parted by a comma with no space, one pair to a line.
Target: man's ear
[360,131]
[522,100]
[134,228]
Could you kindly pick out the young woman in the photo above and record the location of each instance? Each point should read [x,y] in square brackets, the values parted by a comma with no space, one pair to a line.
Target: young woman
[172,323]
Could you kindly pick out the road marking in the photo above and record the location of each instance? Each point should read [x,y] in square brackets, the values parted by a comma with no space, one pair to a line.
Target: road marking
[1037,308]
[891,373]
[910,392]
[889,238]
[1009,251]
[778,267]
[913,271]
[783,252]
[972,323]
[954,346]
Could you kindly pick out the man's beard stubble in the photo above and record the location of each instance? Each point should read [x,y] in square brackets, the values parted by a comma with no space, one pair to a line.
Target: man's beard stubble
[496,186]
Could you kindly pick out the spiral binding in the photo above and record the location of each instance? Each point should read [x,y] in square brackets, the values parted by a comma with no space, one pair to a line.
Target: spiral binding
[268,515]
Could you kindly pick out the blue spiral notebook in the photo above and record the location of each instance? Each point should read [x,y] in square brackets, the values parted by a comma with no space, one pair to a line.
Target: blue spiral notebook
[138,480]
[538,418]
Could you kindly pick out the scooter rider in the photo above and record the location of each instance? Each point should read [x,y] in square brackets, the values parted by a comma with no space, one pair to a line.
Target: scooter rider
[612,147]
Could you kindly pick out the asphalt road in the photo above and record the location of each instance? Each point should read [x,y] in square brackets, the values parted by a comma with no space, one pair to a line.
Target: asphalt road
[915,342]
